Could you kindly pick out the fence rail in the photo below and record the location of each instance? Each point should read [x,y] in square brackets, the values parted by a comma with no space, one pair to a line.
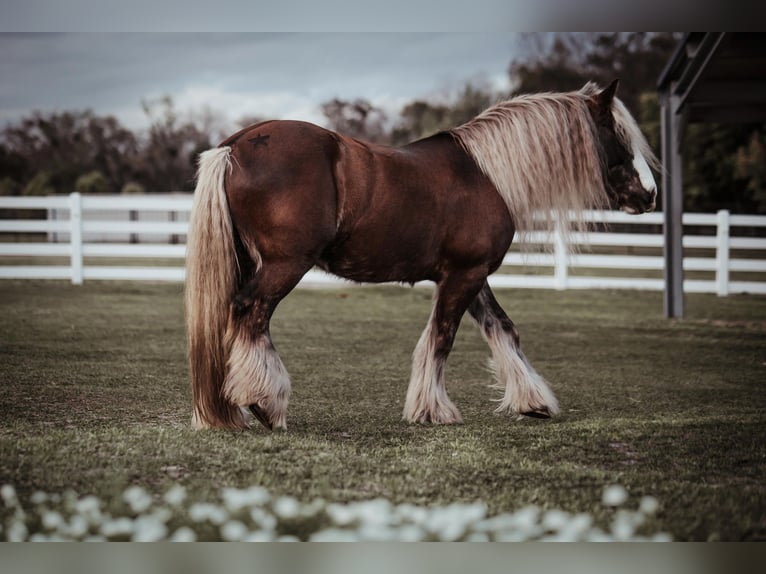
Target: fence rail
[79,227]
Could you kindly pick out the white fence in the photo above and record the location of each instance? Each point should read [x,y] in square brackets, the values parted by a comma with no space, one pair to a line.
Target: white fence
[85,224]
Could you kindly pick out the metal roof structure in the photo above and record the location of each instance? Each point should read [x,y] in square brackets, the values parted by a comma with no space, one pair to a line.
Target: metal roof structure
[713,77]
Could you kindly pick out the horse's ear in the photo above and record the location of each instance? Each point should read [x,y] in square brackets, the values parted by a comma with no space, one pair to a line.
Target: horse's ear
[607,95]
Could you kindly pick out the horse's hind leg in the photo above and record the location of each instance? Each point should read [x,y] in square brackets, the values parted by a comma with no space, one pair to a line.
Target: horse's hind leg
[526,392]
[427,400]
[256,378]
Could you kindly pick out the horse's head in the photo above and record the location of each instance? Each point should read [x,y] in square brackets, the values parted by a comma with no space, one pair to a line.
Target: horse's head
[628,179]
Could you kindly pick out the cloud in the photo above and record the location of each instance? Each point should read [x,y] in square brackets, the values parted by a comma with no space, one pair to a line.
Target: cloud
[236,105]
[263,74]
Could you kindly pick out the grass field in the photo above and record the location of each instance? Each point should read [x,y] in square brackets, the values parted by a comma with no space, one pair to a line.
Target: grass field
[95,397]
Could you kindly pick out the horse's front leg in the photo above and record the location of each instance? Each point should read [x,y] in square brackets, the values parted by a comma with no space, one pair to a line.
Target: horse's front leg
[427,400]
[526,392]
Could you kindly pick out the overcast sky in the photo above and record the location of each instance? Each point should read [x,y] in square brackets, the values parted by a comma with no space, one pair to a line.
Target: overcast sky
[248,74]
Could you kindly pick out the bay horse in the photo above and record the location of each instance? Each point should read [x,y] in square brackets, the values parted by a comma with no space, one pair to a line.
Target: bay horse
[281,197]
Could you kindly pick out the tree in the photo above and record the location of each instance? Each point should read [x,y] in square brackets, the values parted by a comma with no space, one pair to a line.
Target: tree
[63,146]
[565,62]
[750,165]
[421,119]
[718,173]
[92,183]
[470,102]
[40,184]
[169,153]
[358,119]
[13,169]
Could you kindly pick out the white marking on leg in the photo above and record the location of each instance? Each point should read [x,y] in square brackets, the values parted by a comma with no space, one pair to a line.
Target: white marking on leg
[525,390]
[427,399]
[256,375]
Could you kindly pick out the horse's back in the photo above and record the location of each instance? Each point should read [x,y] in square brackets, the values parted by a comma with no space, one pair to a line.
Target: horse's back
[364,211]
[408,213]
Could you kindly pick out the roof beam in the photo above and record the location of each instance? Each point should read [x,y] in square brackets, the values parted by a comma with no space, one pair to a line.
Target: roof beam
[728,93]
[696,66]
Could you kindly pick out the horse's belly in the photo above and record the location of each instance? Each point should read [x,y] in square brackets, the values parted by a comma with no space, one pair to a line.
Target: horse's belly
[368,262]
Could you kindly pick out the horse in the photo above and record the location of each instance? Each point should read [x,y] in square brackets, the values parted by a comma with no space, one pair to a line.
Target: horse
[281,197]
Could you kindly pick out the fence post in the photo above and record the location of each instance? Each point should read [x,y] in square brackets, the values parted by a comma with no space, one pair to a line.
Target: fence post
[722,253]
[560,262]
[75,236]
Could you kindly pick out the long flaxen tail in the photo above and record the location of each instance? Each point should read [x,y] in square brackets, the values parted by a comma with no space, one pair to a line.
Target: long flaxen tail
[211,281]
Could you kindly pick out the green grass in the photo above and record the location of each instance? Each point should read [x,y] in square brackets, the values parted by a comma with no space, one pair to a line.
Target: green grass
[95,397]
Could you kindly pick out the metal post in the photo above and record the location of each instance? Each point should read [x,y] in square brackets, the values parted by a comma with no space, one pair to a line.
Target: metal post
[672,206]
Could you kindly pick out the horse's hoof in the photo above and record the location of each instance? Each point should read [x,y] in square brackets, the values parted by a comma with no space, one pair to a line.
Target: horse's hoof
[541,413]
[261,416]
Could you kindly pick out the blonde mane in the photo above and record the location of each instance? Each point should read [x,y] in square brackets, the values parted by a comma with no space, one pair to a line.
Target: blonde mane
[541,152]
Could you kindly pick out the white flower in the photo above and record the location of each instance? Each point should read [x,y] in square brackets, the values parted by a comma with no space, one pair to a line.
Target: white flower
[313,508]
[39,538]
[496,523]
[512,536]
[88,504]
[477,537]
[89,508]
[184,534]
[286,507]
[149,528]
[77,527]
[450,523]
[340,514]
[614,495]
[113,528]
[234,531]
[334,535]
[175,495]
[377,532]
[17,531]
[555,520]
[519,526]
[38,497]
[648,505]
[598,535]
[264,519]
[473,513]
[526,519]
[446,522]
[374,512]
[8,493]
[137,498]
[411,533]
[70,498]
[52,520]
[259,536]
[205,511]
[623,525]
[411,513]
[451,532]
[235,499]
[576,528]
